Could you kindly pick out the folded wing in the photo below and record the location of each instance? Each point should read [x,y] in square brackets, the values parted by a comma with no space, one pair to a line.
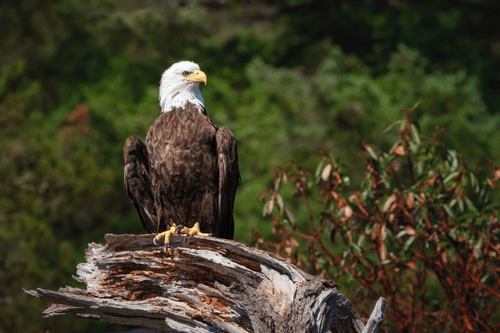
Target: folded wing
[137,182]
[229,180]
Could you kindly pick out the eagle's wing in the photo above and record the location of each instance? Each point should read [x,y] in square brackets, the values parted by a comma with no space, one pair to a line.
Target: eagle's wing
[137,182]
[229,180]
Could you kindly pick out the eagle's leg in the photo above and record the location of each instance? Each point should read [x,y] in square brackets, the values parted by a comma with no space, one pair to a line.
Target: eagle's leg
[167,234]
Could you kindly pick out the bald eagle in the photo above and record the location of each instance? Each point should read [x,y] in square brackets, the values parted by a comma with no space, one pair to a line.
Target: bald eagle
[184,178]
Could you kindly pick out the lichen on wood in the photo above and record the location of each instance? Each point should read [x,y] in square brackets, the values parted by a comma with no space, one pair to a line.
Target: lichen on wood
[203,284]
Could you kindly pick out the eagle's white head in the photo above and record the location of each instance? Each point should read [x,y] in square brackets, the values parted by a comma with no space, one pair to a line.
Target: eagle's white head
[180,84]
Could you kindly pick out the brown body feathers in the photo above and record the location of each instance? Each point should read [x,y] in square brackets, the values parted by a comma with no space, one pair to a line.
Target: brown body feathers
[187,172]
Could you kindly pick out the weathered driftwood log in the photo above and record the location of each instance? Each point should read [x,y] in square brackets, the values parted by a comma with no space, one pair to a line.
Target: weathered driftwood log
[203,285]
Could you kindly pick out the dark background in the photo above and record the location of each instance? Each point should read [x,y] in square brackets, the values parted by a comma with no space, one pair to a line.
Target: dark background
[289,78]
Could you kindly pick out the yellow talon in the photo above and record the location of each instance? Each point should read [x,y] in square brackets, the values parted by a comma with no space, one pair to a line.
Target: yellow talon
[167,234]
[195,230]
[174,229]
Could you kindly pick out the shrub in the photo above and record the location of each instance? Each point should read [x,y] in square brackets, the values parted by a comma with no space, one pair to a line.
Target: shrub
[422,230]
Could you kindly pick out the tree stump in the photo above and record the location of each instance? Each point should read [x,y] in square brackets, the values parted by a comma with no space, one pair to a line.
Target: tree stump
[203,284]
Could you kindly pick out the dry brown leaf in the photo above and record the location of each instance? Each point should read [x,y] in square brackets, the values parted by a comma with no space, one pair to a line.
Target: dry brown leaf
[444,257]
[400,150]
[410,201]
[383,232]
[346,210]
[496,172]
[337,175]
[326,172]
[382,252]
[409,230]
[354,197]
[389,202]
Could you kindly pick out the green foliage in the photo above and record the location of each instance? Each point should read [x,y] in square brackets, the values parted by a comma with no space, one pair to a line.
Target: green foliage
[77,78]
[421,230]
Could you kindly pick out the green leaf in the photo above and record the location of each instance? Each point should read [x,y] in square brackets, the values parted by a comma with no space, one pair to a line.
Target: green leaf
[403,125]
[470,205]
[488,207]
[279,200]
[448,210]
[420,167]
[266,209]
[355,247]
[391,126]
[391,151]
[453,233]
[290,216]
[372,259]
[361,240]
[407,244]
[371,152]
[319,168]
[415,134]
[417,103]
[453,202]
[470,215]
[473,182]
[382,202]
[422,213]
[461,206]
[450,177]
[452,157]
[401,233]
[413,147]
[277,184]
[466,233]
[482,194]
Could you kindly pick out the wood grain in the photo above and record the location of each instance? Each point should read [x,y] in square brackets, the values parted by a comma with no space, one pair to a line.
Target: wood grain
[203,284]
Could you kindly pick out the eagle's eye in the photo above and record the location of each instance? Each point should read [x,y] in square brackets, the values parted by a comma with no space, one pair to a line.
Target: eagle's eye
[185,73]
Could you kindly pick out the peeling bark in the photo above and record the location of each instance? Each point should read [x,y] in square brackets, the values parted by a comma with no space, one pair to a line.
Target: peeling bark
[203,285]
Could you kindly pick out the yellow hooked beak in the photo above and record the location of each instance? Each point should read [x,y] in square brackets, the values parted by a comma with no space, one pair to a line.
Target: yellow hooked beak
[197,76]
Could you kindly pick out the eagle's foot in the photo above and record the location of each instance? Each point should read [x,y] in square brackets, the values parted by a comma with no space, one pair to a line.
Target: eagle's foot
[178,230]
[167,234]
[195,230]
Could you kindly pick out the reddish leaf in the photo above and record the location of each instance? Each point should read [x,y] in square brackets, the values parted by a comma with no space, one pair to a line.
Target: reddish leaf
[400,150]
[389,202]
[412,265]
[409,230]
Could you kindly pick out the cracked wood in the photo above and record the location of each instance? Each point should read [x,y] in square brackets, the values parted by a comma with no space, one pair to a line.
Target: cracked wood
[202,285]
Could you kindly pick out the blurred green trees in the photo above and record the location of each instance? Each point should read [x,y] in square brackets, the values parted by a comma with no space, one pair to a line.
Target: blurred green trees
[77,78]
